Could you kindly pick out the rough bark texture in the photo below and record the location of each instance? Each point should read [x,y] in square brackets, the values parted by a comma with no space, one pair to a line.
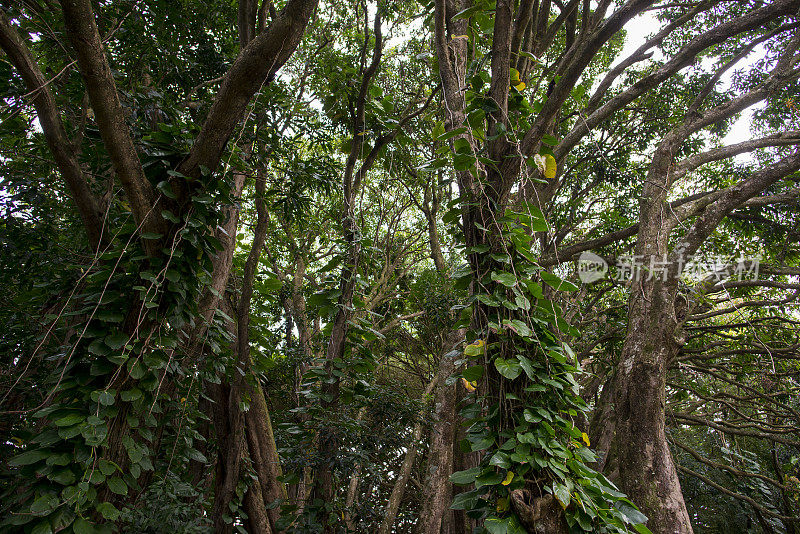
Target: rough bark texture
[646,466]
[256,65]
[399,488]
[437,490]
[541,515]
[263,452]
[654,335]
[56,136]
[82,32]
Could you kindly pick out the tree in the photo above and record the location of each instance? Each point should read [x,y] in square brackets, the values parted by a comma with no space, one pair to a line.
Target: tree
[289,267]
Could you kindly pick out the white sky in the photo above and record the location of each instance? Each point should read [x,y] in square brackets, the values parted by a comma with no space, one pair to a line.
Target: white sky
[647,24]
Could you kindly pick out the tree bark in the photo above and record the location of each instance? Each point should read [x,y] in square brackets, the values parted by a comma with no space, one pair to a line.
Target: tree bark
[399,488]
[56,136]
[646,466]
[437,490]
[82,32]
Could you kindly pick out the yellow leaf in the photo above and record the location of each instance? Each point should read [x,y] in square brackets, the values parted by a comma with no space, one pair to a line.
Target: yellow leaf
[509,478]
[470,386]
[459,36]
[540,162]
[502,504]
[585,438]
[515,79]
[475,348]
[520,86]
[550,167]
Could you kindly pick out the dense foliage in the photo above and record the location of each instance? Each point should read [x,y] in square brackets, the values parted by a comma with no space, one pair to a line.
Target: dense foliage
[303,266]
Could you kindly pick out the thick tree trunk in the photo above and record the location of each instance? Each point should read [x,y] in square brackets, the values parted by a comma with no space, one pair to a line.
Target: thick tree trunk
[437,491]
[459,522]
[257,518]
[263,452]
[602,431]
[647,469]
[230,446]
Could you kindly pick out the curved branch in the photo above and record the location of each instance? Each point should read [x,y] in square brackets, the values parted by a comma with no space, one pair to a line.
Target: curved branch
[256,65]
[54,132]
[102,90]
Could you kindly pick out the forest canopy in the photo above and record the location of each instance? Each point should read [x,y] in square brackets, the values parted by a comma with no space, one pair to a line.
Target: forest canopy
[400,266]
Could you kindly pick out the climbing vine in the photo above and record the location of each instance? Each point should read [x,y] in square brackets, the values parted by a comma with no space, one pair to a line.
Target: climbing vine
[126,367]
[527,423]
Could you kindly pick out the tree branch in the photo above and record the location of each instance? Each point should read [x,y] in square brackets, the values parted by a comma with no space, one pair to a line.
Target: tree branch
[56,136]
[82,32]
[256,65]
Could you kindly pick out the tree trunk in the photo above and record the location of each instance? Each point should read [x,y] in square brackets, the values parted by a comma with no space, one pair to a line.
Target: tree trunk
[647,469]
[437,489]
[263,452]
[459,522]
[399,488]
[602,430]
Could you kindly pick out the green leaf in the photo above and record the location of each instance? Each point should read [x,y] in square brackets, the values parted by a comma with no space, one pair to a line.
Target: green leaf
[495,525]
[473,373]
[468,476]
[631,514]
[70,420]
[108,511]
[106,467]
[474,349]
[166,189]
[550,140]
[500,459]
[43,528]
[562,494]
[29,457]
[481,443]
[116,485]
[110,316]
[137,371]
[557,283]
[105,398]
[44,504]
[464,501]
[518,327]
[507,525]
[131,395]
[81,526]
[462,162]
[437,130]
[65,477]
[467,13]
[527,366]
[196,455]
[116,340]
[508,368]
[492,478]
[507,279]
